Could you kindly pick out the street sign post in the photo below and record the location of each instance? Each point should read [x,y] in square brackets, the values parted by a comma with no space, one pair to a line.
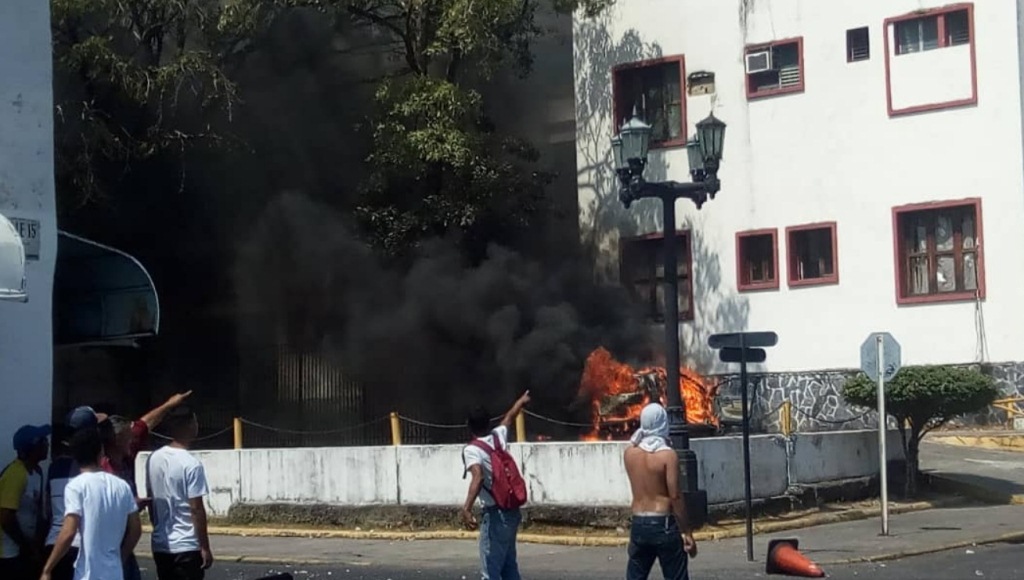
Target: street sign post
[880,359]
[743,348]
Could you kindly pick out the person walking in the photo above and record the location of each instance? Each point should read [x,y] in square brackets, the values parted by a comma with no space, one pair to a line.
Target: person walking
[659,529]
[499,486]
[21,505]
[177,486]
[100,510]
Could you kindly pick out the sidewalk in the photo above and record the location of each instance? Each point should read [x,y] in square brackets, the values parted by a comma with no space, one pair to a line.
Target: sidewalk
[910,534]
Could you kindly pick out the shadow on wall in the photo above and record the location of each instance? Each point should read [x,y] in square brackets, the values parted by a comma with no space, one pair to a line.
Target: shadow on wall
[603,220]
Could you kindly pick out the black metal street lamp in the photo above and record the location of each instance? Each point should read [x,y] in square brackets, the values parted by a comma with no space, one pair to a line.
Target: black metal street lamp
[704,153]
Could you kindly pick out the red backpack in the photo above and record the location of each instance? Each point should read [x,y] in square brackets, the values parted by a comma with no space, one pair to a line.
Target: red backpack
[507,485]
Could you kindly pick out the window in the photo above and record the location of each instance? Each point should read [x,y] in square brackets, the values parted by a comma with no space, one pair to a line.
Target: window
[655,90]
[858,45]
[775,69]
[757,260]
[938,252]
[933,31]
[643,274]
[812,254]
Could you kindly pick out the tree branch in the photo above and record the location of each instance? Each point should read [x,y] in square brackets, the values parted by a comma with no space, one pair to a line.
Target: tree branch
[387,24]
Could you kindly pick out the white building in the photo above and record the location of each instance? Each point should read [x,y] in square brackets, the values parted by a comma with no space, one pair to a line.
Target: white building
[27,202]
[870,148]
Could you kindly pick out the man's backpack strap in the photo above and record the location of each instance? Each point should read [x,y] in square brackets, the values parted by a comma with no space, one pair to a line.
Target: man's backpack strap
[474,443]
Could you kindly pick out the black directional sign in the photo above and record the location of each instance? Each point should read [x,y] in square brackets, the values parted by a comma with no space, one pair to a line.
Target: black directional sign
[743,339]
[735,355]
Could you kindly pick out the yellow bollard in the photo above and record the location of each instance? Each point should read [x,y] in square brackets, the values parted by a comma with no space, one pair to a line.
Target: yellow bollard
[786,418]
[521,427]
[396,429]
[238,432]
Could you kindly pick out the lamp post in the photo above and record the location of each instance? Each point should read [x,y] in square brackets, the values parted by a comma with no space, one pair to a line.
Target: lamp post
[704,153]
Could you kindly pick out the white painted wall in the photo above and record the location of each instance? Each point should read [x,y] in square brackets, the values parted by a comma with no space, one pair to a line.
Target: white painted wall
[830,153]
[557,474]
[27,192]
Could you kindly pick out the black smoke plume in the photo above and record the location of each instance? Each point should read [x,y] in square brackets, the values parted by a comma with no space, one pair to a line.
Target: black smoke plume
[437,337]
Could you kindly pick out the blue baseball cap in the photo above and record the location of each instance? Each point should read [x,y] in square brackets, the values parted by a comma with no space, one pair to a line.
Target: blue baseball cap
[81,418]
[28,436]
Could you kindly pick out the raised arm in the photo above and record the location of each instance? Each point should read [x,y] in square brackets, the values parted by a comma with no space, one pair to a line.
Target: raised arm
[156,416]
[517,407]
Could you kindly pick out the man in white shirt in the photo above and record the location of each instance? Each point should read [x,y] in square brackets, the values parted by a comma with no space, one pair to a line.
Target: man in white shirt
[100,509]
[177,485]
[499,527]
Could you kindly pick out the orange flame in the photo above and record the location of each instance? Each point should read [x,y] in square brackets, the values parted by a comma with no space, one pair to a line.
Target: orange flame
[618,393]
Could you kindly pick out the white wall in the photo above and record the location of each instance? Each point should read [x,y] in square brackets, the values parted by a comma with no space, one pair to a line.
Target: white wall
[27,192]
[557,474]
[831,153]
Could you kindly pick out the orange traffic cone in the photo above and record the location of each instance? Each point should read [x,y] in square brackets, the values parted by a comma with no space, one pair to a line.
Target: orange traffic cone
[784,558]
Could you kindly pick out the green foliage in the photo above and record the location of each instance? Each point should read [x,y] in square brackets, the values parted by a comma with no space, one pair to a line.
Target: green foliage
[923,398]
[140,78]
[927,396]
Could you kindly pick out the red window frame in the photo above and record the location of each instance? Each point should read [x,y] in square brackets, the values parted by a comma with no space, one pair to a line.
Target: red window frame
[622,110]
[797,88]
[685,255]
[890,54]
[743,283]
[792,258]
[901,255]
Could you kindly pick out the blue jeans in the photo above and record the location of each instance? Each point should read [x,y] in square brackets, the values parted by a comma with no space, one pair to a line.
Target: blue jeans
[656,538]
[498,530]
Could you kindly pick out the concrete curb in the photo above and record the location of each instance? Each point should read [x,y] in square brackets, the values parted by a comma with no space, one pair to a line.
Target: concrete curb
[1010,537]
[1001,442]
[732,531]
[975,491]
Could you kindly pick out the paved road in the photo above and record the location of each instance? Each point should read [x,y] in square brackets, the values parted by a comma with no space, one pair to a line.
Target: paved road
[996,562]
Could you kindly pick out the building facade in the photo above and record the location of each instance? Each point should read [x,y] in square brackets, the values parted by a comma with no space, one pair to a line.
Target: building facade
[872,178]
[27,202]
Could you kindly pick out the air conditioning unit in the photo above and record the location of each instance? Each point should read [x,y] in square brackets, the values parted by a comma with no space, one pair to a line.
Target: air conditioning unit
[760,61]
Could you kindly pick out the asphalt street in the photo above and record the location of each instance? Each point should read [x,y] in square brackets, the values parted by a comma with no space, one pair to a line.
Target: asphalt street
[995,562]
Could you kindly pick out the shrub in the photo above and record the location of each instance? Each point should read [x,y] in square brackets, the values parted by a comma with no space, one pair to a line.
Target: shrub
[922,398]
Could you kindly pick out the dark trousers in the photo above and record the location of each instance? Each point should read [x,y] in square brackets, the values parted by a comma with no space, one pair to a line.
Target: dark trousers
[184,566]
[656,538]
[16,569]
[65,569]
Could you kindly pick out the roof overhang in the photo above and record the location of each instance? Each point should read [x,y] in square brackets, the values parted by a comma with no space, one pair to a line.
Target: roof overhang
[12,263]
[101,295]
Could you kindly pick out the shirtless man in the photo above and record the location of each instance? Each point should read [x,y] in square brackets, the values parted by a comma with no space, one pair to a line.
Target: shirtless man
[659,529]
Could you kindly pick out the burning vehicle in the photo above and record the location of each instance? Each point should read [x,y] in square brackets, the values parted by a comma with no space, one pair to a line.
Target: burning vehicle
[617,394]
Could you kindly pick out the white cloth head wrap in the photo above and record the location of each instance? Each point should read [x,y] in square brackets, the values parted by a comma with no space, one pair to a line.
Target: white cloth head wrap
[653,432]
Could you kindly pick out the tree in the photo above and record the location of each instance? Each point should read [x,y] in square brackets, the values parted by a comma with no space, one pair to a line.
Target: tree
[138,79]
[437,163]
[923,398]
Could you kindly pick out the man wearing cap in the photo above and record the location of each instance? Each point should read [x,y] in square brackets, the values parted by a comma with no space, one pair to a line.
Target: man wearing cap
[21,503]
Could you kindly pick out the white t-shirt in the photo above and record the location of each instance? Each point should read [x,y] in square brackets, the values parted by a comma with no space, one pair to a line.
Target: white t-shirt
[473,455]
[103,502]
[174,476]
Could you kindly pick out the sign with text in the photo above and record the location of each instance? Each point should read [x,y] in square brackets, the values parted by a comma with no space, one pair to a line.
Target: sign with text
[29,232]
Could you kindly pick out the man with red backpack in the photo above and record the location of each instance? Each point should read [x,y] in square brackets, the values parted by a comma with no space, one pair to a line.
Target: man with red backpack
[498,484]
